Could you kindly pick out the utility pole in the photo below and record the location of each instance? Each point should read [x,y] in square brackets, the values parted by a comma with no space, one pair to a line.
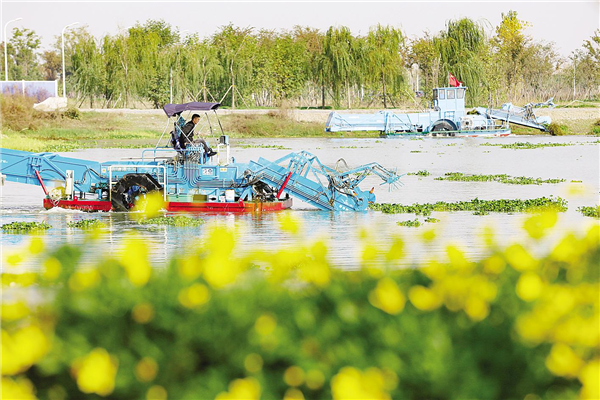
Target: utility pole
[6,47]
[62,35]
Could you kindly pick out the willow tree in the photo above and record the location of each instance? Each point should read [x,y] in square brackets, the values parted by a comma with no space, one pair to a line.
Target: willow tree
[235,47]
[338,64]
[461,48]
[383,54]
[88,67]
[312,41]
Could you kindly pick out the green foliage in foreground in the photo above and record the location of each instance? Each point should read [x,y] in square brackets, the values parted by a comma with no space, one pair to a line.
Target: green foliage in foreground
[208,324]
[480,207]
[502,178]
[593,211]
[87,224]
[177,220]
[25,227]
[526,145]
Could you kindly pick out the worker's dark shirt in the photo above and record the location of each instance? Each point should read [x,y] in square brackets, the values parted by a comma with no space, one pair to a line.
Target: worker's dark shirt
[188,134]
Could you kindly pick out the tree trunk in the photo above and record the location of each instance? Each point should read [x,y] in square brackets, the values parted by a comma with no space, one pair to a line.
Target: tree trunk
[323,97]
[383,83]
[232,87]
[348,94]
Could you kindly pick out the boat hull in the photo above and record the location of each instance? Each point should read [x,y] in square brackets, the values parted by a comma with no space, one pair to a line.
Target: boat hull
[238,206]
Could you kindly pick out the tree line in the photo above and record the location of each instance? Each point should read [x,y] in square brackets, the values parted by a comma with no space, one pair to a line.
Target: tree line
[153,62]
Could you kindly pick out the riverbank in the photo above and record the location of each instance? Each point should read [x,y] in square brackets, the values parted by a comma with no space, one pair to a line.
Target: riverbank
[143,128]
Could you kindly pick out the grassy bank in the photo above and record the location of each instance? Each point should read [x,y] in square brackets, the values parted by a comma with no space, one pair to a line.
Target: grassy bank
[24,128]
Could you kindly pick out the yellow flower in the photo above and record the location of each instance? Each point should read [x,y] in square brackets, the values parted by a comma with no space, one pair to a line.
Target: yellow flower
[590,378]
[351,383]
[563,361]
[14,259]
[190,268]
[494,265]
[194,296]
[529,286]
[151,205]
[30,345]
[156,392]
[567,250]
[476,308]
[424,298]
[314,379]
[396,251]
[142,313]
[134,258]
[265,325]
[289,223]
[9,362]
[253,363]
[428,235]
[146,369]
[316,272]
[520,259]
[82,280]
[538,225]
[13,311]
[36,245]
[457,258]
[387,296]
[293,394]
[96,372]
[20,388]
[52,268]
[294,376]
[247,389]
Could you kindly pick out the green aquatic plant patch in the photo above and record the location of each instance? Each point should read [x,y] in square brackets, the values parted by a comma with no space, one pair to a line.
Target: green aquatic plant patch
[420,173]
[526,145]
[87,224]
[590,211]
[411,223]
[431,220]
[502,178]
[179,221]
[25,227]
[480,207]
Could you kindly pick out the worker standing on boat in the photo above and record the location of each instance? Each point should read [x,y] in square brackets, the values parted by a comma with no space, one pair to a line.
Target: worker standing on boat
[188,136]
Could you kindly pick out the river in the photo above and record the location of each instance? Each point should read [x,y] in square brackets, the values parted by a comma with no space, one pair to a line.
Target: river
[578,162]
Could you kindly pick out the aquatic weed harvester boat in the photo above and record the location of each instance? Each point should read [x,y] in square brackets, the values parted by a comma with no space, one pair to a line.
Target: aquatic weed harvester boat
[446,117]
[190,180]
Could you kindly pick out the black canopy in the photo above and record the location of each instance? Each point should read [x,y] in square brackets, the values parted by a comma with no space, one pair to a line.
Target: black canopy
[172,109]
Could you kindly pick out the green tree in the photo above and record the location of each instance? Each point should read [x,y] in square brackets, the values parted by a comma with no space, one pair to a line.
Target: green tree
[338,64]
[511,46]
[383,57]
[51,65]
[23,60]
[461,47]
[236,48]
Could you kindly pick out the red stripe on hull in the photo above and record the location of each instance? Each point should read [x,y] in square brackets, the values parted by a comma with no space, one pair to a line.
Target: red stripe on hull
[239,206]
[76,204]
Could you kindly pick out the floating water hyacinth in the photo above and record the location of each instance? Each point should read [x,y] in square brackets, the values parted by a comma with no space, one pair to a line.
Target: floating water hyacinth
[25,227]
[411,223]
[502,178]
[480,207]
[87,224]
[593,211]
[526,145]
[177,220]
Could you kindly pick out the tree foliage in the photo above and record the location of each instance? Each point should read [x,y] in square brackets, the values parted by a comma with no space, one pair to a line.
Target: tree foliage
[152,63]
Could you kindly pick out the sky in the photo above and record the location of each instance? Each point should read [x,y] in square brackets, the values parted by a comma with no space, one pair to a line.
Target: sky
[566,23]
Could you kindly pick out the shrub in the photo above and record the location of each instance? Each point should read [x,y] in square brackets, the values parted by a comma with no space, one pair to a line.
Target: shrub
[209,323]
[72,113]
[557,130]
